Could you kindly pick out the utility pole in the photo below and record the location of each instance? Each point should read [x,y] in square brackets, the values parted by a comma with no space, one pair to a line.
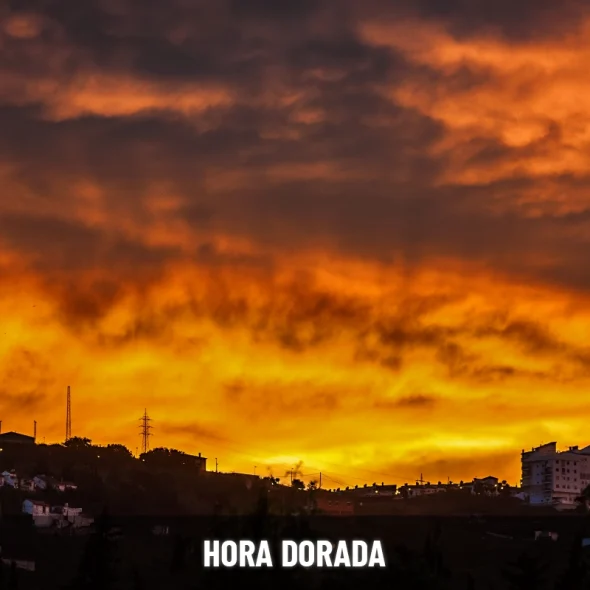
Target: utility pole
[254,469]
[68,415]
[421,481]
[145,432]
[0,426]
[320,479]
[35,430]
[291,476]
[215,464]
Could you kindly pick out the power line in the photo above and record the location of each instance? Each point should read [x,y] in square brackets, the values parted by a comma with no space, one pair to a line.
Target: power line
[261,460]
[355,468]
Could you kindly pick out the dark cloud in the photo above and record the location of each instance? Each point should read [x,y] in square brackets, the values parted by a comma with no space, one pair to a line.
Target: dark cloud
[56,245]
[192,430]
[522,22]
[25,395]
[393,205]
[281,400]
[534,337]
[460,467]
[416,401]
[393,208]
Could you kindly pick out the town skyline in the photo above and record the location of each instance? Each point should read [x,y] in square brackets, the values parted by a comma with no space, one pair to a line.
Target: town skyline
[337,232]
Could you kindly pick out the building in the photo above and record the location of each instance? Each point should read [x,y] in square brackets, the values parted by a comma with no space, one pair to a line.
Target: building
[10,479]
[372,491]
[66,510]
[557,477]
[487,486]
[334,506]
[196,461]
[21,564]
[170,458]
[427,489]
[62,486]
[488,481]
[45,482]
[35,508]
[28,485]
[15,438]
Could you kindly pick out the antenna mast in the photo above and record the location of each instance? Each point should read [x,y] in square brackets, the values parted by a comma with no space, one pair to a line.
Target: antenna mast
[145,432]
[69,416]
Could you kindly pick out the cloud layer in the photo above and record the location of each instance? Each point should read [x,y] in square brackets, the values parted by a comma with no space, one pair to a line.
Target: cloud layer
[352,234]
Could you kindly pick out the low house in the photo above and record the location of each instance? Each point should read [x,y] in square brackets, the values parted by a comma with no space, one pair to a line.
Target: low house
[518,493]
[10,479]
[10,439]
[27,485]
[66,511]
[487,486]
[21,564]
[36,508]
[69,511]
[489,480]
[371,491]
[44,482]
[423,489]
[62,486]
[334,506]
[67,516]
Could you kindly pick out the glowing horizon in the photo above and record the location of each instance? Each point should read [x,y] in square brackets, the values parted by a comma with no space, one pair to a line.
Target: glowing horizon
[350,236]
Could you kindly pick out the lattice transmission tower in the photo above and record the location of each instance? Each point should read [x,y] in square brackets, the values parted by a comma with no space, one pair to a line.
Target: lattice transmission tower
[146,428]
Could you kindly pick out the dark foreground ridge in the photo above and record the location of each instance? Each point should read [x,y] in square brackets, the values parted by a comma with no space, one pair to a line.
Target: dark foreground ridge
[421,552]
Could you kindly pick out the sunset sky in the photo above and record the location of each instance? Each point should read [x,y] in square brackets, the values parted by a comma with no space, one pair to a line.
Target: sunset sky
[354,234]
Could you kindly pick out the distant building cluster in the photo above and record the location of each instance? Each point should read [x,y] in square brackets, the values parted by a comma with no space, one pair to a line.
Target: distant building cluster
[484,486]
[555,477]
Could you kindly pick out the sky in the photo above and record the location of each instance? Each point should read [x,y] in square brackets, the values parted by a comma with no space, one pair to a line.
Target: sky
[351,235]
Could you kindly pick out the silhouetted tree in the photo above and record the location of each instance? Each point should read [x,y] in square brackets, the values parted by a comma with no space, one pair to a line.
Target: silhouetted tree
[527,573]
[575,576]
[298,484]
[178,562]
[312,485]
[137,581]
[97,568]
[77,442]
[13,577]
[119,450]
[433,556]
[583,500]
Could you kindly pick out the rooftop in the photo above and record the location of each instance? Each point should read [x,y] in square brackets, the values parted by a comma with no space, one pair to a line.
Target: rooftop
[5,436]
[37,503]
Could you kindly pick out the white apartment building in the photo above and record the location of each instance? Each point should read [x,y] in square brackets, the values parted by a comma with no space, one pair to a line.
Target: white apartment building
[550,476]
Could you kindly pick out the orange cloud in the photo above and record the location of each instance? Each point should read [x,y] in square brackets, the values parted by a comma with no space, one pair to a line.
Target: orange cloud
[292,377]
[360,244]
[529,100]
